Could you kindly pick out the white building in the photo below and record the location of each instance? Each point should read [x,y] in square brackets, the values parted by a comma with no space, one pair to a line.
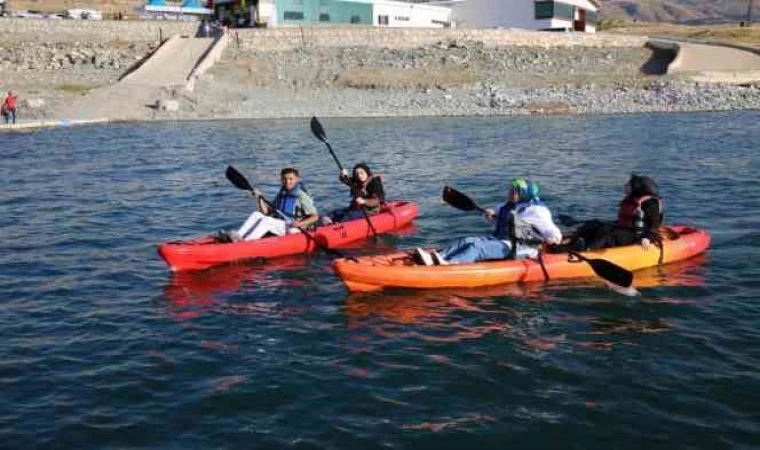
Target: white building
[552,15]
[388,13]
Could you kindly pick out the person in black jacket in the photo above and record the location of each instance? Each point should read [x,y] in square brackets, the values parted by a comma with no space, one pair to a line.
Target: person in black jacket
[367,195]
[639,219]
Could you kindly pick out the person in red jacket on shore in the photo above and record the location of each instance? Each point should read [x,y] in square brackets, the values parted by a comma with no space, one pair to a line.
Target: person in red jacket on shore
[8,109]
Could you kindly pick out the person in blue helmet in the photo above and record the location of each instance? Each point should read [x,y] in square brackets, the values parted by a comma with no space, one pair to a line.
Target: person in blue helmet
[521,225]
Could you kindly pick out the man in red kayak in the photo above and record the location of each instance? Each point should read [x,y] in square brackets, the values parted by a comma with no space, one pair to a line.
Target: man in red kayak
[8,109]
[639,218]
[522,224]
[294,210]
[367,195]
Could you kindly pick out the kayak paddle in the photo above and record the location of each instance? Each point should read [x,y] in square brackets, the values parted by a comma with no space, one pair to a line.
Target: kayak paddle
[241,182]
[618,278]
[319,133]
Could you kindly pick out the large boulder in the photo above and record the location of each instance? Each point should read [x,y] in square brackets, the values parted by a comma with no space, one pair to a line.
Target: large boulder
[167,105]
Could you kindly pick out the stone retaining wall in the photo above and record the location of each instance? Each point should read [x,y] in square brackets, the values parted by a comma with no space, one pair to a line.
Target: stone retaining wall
[61,31]
[31,30]
[293,38]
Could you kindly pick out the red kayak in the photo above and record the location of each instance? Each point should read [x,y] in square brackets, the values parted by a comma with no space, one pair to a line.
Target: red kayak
[206,252]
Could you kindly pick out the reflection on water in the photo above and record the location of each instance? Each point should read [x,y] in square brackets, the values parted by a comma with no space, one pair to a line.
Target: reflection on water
[194,293]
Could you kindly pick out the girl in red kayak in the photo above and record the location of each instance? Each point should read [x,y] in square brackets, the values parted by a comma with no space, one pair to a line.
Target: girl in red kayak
[367,195]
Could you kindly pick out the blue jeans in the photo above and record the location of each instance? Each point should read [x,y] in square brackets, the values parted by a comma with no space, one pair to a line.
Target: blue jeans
[473,249]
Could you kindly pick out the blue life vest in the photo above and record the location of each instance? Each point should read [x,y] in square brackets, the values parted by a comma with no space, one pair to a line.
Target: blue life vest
[503,222]
[287,201]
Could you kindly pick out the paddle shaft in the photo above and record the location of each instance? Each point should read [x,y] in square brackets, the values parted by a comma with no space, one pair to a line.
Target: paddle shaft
[318,130]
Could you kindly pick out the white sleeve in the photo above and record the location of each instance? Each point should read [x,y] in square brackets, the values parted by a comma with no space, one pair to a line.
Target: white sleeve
[540,218]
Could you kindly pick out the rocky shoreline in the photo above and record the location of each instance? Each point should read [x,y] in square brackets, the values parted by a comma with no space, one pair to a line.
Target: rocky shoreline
[450,77]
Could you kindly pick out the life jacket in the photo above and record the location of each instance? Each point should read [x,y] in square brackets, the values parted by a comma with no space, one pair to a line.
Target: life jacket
[287,201]
[631,207]
[360,190]
[522,231]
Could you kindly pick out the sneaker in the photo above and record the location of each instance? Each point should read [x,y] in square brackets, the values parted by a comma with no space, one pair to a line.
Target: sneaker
[422,257]
[223,237]
[227,236]
[438,259]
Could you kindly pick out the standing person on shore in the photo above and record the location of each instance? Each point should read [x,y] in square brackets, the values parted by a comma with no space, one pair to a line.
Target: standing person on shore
[8,109]
[367,195]
[294,210]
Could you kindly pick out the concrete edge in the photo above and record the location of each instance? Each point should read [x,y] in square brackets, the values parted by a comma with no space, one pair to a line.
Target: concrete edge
[136,66]
[164,45]
[212,55]
[59,123]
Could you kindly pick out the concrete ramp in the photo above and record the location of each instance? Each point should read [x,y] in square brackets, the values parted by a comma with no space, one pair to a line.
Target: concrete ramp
[172,68]
[708,62]
[172,63]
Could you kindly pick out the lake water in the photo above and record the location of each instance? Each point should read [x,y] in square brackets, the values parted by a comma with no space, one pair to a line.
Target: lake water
[102,347]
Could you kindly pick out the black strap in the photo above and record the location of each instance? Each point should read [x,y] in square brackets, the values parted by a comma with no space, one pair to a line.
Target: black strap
[541,263]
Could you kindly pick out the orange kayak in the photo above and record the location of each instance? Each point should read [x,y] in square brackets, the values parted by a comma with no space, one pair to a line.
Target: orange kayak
[372,273]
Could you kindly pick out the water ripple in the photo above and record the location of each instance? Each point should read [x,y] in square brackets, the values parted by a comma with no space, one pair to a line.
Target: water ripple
[105,348]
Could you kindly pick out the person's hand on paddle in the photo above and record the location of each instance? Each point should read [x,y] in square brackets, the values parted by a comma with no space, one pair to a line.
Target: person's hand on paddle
[490,213]
[256,193]
[360,201]
[344,173]
[646,244]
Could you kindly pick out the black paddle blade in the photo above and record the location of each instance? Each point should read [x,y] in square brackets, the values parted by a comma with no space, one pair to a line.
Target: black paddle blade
[611,272]
[458,200]
[237,179]
[317,129]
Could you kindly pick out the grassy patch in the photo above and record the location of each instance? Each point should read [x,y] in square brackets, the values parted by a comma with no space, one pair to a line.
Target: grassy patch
[72,88]
[732,34]
[405,78]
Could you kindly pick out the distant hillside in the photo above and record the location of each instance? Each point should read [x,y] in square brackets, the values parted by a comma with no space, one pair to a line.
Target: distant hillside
[693,11]
[687,11]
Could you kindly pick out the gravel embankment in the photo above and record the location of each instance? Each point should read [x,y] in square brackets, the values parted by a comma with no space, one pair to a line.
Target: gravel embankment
[446,78]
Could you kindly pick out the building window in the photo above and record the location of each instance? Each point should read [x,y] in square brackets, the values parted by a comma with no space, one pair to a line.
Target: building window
[382,20]
[554,10]
[544,10]
[356,19]
[401,18]
[293,15]
[564,11]
[324,17]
